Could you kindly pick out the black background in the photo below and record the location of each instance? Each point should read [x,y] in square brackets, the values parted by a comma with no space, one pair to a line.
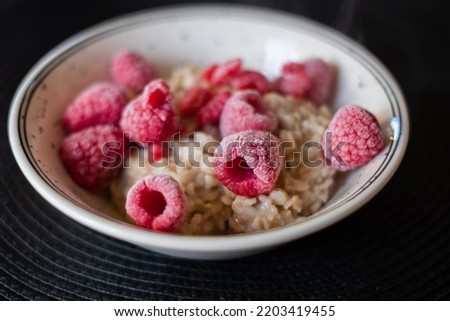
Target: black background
[396,247]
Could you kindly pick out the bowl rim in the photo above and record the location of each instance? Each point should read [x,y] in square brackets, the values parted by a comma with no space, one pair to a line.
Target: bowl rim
[216,243]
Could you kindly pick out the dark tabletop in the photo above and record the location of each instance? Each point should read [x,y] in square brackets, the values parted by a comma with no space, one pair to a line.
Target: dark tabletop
[396,247]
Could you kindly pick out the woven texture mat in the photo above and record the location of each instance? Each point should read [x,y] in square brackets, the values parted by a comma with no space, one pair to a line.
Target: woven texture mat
[396,247]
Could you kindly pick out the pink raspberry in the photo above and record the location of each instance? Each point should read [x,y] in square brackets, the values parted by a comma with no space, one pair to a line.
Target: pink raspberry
[221,74]
[131,71]
[100,103]
[193,100]
[94,155]
[157,202]
[248,162]
[321,76]
[352,138]
[250,79]
[311,80]
[150,117]
[294,80]
[210,113]
[245,110]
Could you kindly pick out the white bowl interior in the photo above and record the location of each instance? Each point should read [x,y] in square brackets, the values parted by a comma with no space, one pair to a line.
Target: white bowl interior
[200,37]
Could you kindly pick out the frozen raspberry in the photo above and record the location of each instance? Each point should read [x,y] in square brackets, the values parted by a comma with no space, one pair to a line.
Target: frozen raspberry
[244,111]
[294,80]
[248,163]
[251,80]
[94,155]
[100,103]
[157,202]
[221,74]
[194,99]
[352,138]
[210,113]
[150,117]
[131,71]
[321,76]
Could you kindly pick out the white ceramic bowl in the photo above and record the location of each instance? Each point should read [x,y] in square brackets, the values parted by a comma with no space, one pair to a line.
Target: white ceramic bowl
[199,35]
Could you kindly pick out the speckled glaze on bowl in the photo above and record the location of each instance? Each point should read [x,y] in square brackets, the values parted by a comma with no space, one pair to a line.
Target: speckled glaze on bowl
[199,35]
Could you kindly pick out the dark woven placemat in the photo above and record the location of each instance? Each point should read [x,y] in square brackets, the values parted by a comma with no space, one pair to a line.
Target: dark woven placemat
[396,247]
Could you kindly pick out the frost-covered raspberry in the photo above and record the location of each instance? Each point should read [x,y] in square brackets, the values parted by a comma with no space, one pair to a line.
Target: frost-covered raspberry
[352,138]
[221,74]
[94,155]
[245,110]
[193,100]
[210,113]
[321,77]
[294,80]
[312,79]
[131,71]
[250,79]
[100,103]
[157,202]
[150,117]
[248,163]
